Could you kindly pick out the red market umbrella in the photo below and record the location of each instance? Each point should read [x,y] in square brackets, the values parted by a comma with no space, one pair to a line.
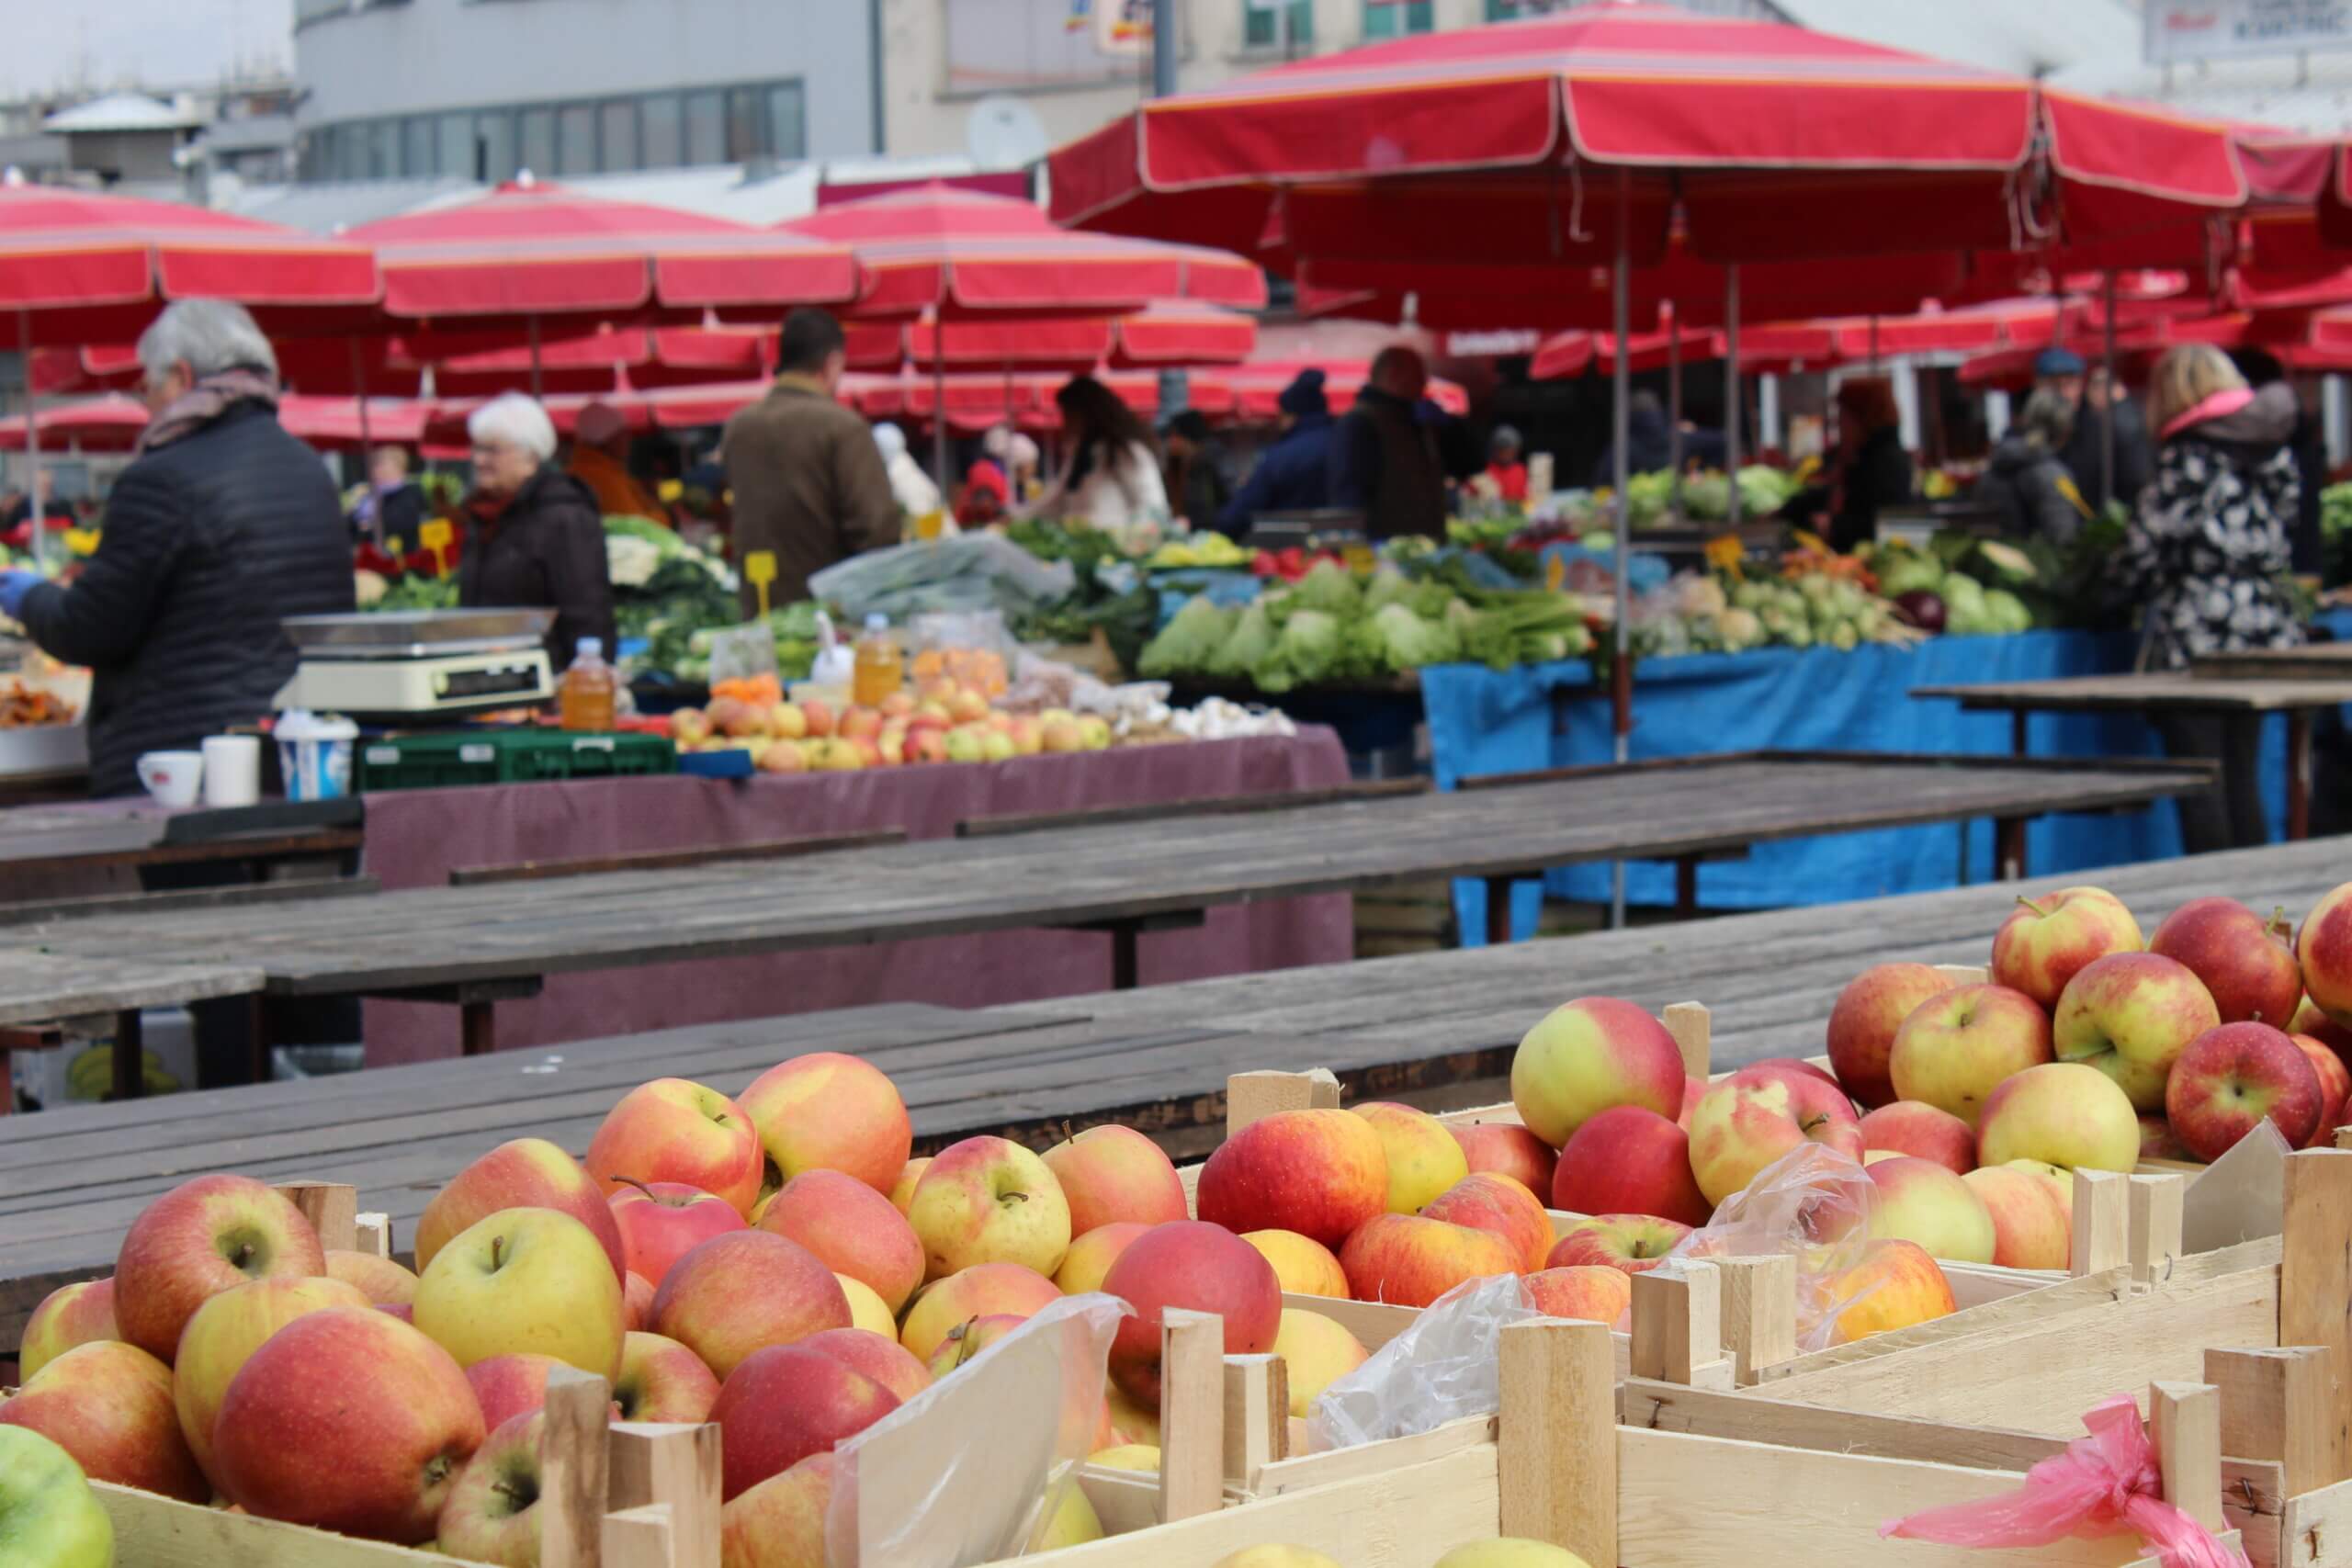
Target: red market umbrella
[1169,332]
[110,422]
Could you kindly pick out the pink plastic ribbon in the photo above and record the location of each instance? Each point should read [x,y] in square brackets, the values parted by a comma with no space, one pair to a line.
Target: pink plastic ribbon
[2102,1485]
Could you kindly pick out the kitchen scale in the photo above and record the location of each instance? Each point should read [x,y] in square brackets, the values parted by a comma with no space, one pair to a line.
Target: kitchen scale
[396,667]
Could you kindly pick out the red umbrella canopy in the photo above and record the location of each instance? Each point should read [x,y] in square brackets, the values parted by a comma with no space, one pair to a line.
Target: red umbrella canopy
[80,266]
[530,248]
[110,422]
[1529,143]
[1167,332]
[953,251]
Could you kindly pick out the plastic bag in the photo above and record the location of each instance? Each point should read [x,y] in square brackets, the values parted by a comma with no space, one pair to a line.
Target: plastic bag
[743,653]
[2104,1485]
[973,572]
[973,1469]
[1447,1366]
[979,629]
[1815,1205]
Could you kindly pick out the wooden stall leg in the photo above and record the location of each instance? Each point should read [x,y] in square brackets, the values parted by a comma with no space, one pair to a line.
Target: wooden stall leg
[129,1055]
[1498,912]
[1192,1413]
[2008,848]
[478,1027]
[1126,957]
[1686,888]
[2299,774]
[2019,745]
[258,1020]
[1556,1438]
[2315,1285]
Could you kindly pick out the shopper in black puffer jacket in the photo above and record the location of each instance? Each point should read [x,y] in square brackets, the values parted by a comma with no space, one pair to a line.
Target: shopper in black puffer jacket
[537,540]
[224,525]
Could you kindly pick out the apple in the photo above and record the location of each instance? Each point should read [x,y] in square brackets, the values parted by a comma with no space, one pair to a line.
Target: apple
[783,757]
[2058,1182]
[1588,1055]
[851,1229]
[2232,1076]
[1073,1521]
[510,1385]
[2045,943]
[1316,1352]
[866,1309]
[1319,1173]
[1596,1291]
[746,1291]
[672,1130]
[1634,1243]
[1752,1118]
[289,1448]
[980,1292]
[660,1221]
[966,1340]
[527,1173]
[1060,735]
[902,1191]
[988,1200]
[636,1302]
[1113,1173]
[1423,1157]
[2247,963]
[828,1110]
[967,706]
[203,1238]
[1411,1259]
[1128,1456]
[382,1280]
[492,1514]
[1928,1203]
[2030,1229]
[524,1279]
[1694,1089]
[2157,1142]
[1863,1024]
[1087,1261]
[859,723]
[785,1403]
[1303,1267]
[996,746]
[2131,1016]
[788,722]
[109,1405]
[1028,735]
[662,1381]
[780,1523]
[1093,731]
[1509,1149]
[1896,1285]
[1487,1202]
[1820,1075]
[1913,1127]
[818,714]
[1129,1420]
[1203,1268]
[964,745]
[1955,1047]
[69,1316]
[2310,1020]
[2334,1085]
[879,1357]
[2323,948]
[49,1516]
[1628,1159]
[2054,1113]
[689,726]
[926,743]
[224,1334]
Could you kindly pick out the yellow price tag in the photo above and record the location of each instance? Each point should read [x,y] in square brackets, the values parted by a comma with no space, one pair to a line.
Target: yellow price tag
[1725,553]
[438,535]
[395,546]
[759,571]
[1556,573]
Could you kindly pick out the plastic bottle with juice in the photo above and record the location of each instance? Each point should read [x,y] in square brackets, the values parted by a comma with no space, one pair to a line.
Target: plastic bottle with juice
[589,690]
[877,671]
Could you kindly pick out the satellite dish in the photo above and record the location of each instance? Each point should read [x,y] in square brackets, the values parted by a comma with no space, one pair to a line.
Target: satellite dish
[1004,134]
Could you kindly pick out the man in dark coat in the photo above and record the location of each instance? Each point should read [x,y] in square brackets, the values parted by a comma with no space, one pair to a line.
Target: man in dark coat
[223,526]
[2097,401]
[1294,474]
[1388,460]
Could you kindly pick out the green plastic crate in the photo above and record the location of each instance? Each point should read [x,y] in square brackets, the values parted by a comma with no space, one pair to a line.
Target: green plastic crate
[449,759]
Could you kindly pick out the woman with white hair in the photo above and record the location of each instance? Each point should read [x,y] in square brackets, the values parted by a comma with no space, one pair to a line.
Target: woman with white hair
[222,527]
[537,541]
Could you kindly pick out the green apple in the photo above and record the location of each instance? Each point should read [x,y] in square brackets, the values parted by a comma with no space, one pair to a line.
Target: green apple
[49,1516]
[524,1279]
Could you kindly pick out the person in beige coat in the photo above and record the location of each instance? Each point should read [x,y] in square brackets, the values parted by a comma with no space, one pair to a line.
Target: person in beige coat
[808,478]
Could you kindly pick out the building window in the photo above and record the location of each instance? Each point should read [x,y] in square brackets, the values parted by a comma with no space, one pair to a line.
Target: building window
[575,140]
[1261,25]
[417,151]
[1511,10]
[383,150]
[494,147]
[665,132]
[787,121]
[1394,18]
[456,135]
[537,152]
[706,128]
[617,135]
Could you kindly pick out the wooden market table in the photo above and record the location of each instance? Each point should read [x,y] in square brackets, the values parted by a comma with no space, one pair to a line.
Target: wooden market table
[2223,689]
[1123,870]
[107,834]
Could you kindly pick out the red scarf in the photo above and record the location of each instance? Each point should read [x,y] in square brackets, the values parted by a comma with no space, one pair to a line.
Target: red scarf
[206,402]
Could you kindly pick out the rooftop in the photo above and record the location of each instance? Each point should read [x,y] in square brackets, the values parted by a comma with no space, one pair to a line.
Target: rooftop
[120,112]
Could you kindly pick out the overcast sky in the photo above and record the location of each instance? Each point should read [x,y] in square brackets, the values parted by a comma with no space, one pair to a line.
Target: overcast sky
[166,42]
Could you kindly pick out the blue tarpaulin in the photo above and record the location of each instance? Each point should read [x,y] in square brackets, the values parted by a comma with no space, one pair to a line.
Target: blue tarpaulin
[1483,721]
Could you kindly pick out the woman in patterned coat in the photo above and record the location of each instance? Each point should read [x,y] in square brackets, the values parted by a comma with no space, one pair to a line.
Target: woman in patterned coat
[2205,556]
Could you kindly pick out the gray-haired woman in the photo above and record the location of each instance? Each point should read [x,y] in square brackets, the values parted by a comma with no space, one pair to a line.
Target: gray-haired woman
[223,526]
[537,541]
[2028,479]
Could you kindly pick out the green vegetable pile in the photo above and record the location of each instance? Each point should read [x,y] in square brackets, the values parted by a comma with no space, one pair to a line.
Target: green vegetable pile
[665,590]
[2336,531]
[1127,620]
[683,651]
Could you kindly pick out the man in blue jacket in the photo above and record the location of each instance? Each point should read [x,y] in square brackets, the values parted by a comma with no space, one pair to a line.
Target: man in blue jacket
[1292,474]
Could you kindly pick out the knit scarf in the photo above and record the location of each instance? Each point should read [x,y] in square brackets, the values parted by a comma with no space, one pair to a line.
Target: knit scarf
[206,402]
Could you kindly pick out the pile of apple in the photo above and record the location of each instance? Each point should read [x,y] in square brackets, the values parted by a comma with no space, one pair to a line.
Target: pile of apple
[941,721]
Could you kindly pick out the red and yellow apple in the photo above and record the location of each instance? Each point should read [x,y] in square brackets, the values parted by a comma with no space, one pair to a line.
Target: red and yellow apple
[1487,1202]
[879,1357]
[1634,1244]
[661,1222]
[1752,1118]
[1955,1048]
[743,1291]
[2323,949]
[2247,963]
[785,1403]
[868,1310]
[1411,1259]
[1319,1173]
[1201,1267]
[382,1280]
[1509,1149]
[1590,1054]
[109,1405]
[1316,1351]
[510,1385]
[982,1291]
[2230,1079]
[1592,1291]
[1087,1261]
[636,1302]
[828,1111]
[966,1340]
[2031,1228]
[1863,1024]
[1896,1285]
[662,1381]
[853,1229]
[2055,1114]
[1922,1202]
[202,1237]
[780,1523]
[69,1316]
[225,1332]
[1630,1160]
[492,1512]
[2131,1016]
[1302,1266]
[675,1129]
[988,1200]
[1915,1128]
[2334,1087]
[527,1173]
[1112,1174]
[1424,1159]
[524,1279]
[2046,942]
[903,1191]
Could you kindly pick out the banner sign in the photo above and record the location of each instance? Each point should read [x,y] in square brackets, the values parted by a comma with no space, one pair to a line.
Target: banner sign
[2231,29]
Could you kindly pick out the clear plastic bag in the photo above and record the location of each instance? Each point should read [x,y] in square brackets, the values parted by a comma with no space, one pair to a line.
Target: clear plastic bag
[979,629]
[1447,1366]
[972,1469]
[972,572]
[743,653]
[1813,1204]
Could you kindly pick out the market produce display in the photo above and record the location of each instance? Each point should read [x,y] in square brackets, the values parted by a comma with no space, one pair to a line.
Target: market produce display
[940,721]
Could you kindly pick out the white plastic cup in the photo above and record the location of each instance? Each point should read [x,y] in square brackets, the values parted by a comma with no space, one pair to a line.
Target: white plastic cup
[173,778]
[232,771]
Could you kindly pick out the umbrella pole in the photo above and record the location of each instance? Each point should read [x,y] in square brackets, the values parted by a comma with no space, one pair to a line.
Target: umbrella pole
[32,435]
[1621,667]
[1673,406]
[2107,414]
[939,406]
[359,383]
[1873,343]
[1732,409]
[535,378]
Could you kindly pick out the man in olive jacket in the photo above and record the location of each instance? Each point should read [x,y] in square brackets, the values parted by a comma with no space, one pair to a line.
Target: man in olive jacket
[808,478]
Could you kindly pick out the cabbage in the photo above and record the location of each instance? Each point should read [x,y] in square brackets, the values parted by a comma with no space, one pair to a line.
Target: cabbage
[1310,649]
[1394,640]
[2007,612]
[1251,639]
[1739,630]
[1331,588]
[1764,489]
[1187,642]
[1905,572]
